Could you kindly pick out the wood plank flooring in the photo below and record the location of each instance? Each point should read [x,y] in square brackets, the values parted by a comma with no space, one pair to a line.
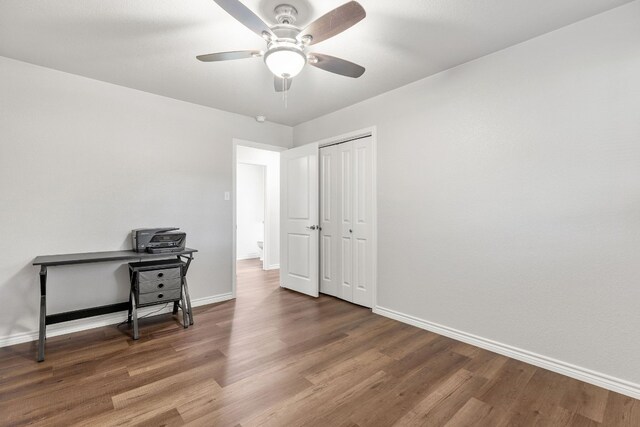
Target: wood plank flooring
[276,358]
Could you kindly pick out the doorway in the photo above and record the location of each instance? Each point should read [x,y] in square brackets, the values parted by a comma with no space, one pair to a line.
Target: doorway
[256,211]
[250,211]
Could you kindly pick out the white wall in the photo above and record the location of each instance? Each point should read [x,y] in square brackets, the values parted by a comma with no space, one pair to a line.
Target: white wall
[509,195]
[83,162]
[250,191]
[271,161]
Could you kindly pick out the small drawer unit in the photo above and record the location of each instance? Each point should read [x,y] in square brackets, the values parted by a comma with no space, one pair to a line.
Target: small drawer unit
[159,282]
[156,282]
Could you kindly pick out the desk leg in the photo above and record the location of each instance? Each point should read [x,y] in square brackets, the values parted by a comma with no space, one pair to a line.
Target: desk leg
[185,317]
[130,308]
[186,287]
[134,314]
[43,312]
[132,283]
[188,298]
[175,307]
[187,264]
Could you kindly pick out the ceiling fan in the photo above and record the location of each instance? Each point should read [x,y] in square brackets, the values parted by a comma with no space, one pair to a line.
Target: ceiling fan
[287,44]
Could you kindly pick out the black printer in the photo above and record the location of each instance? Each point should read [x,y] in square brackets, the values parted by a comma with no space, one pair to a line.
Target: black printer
[158,240]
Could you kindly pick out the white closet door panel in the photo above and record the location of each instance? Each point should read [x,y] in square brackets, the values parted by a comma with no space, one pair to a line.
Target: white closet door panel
[345,210]
[360,265]
[346,269]
[345,179]
[362,223]
[329,230]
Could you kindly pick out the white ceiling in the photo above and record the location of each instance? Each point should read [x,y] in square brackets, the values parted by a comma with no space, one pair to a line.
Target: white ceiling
[151,45]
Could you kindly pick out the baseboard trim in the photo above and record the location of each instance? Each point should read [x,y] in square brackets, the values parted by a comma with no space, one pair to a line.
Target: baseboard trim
[248,256]
[104,320]
[211,299]
[273,267]
[583,374]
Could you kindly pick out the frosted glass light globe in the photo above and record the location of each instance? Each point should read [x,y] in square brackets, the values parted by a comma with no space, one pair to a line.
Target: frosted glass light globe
[285,62]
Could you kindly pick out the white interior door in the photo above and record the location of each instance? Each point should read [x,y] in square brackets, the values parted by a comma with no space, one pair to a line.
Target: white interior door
[330,268]
[299,242]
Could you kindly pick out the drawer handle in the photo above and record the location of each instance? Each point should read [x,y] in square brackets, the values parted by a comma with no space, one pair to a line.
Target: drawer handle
[161,285]
[160,274]
[160,296]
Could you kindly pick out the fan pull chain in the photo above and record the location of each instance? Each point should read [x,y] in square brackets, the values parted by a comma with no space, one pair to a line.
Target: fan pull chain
[285,92]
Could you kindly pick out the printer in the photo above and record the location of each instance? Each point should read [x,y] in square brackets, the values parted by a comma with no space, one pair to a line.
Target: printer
[158,240]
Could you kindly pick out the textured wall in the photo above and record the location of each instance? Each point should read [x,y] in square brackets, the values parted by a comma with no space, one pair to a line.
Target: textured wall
[82,162]
[509,194]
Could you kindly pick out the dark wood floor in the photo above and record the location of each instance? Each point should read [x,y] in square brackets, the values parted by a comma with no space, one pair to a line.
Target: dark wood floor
[273,357]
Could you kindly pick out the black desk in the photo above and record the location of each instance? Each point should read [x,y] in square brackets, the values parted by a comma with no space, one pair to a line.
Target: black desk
[89,257]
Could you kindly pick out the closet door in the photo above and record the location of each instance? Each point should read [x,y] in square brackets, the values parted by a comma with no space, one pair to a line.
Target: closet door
[346,213]
[329,230]
[362,235]
[345,219]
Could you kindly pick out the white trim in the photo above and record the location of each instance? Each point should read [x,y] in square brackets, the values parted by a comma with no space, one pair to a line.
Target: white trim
[234,225]
[99,321]
[374,214]
[258,145]
[345,137]
[583,374]
[213,299]
[272,267]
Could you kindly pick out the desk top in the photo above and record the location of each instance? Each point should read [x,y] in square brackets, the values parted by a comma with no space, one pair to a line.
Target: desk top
[88,257]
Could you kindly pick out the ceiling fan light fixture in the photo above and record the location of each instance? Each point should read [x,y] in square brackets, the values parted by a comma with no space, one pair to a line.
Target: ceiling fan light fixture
[286,43]
[285,61]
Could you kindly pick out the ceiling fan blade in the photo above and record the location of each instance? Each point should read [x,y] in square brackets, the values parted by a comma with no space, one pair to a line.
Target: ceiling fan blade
[243,14]
[336,65]
[278,83]
[227,56]
[333,23]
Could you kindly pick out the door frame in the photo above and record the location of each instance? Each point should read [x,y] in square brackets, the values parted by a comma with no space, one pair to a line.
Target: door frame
[372,130]
[234,226]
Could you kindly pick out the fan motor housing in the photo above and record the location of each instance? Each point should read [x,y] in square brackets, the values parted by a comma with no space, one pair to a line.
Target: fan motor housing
[286,14]
[286,32]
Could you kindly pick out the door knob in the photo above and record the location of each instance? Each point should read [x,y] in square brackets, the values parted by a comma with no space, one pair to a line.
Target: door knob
[313,227]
